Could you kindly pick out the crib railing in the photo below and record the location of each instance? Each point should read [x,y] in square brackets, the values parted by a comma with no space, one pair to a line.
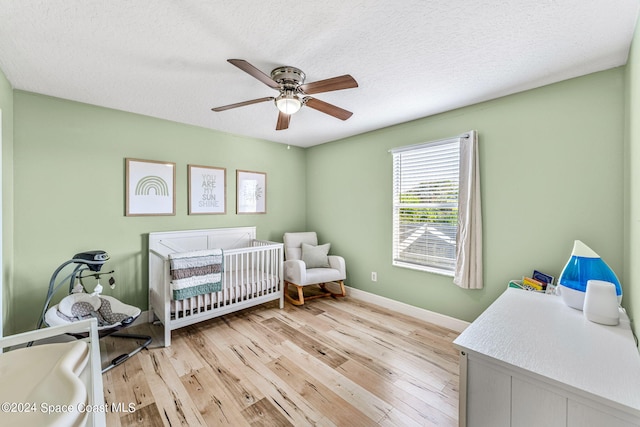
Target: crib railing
[251,273]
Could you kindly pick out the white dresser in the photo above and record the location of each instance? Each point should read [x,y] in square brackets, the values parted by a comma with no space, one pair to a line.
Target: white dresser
[529,360]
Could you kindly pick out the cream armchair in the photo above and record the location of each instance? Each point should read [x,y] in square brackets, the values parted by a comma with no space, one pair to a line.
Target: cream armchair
[307,263]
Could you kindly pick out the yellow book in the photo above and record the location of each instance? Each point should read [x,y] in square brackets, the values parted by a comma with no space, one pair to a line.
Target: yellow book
[535,284]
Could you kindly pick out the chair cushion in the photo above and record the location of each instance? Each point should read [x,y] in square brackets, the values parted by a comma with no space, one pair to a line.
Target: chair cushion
[293,243]
[322,275]
[316,256]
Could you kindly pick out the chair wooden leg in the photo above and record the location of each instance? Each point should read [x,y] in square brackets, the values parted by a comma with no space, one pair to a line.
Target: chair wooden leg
[300,295]
[342,293]
[300,300]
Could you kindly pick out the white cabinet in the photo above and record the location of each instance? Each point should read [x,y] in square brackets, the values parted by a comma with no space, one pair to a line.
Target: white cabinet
[529,360]
[486,395]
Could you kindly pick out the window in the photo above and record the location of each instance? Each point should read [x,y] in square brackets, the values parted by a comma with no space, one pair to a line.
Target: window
[425,205]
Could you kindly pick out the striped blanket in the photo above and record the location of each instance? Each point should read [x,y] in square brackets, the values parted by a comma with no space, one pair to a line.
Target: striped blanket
[195,273]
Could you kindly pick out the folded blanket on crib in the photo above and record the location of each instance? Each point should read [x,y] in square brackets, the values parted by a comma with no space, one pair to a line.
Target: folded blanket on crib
[195,273]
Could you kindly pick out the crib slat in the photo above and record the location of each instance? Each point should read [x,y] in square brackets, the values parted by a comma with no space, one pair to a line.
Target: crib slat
[261,272]
[255,266]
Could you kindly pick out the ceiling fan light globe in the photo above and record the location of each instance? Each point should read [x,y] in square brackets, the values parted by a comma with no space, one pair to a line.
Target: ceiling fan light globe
[288,104]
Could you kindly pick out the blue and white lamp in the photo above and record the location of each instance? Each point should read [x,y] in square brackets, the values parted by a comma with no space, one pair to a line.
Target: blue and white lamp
[584,265]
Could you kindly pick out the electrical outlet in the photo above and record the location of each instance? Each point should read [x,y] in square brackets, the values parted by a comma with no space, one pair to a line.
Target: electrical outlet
[374,276]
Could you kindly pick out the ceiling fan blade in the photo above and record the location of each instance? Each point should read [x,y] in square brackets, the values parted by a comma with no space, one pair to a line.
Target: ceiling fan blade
[253,71]
[242,104]
[283,121]
[334,83]
[330,109]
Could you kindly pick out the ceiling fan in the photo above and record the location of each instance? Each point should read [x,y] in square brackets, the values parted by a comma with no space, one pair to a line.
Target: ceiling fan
[289,81]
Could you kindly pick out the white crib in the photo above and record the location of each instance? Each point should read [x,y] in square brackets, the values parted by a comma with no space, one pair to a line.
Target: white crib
[252,275]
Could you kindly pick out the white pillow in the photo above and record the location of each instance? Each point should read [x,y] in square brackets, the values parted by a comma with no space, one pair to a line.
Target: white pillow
[316,256]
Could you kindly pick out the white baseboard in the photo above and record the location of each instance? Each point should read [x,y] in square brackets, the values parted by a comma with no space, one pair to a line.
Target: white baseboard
[410,310]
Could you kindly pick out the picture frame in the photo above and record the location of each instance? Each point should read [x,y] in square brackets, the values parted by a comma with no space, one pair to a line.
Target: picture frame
[150,187]
[251,192]
[207,188]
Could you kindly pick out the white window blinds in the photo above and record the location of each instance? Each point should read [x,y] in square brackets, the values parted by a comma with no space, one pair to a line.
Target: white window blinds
[425,205]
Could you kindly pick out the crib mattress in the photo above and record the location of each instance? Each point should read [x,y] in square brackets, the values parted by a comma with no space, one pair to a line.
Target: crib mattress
[247,286]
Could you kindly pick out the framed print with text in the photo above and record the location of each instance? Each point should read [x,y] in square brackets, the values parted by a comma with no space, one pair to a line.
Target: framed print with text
[207,190]
[251,192]
[150,188]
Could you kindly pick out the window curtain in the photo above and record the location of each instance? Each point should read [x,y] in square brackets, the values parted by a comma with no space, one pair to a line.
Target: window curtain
[468,270]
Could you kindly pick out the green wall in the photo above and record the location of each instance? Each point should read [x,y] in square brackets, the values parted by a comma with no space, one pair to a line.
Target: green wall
[552,163]
[69,164]
[551,168]
[631,299]
[6,106]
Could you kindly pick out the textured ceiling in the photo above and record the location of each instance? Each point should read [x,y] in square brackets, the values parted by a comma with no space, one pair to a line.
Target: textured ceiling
[167,58]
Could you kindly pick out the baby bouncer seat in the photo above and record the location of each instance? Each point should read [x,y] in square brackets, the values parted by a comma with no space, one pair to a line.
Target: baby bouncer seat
[112,315]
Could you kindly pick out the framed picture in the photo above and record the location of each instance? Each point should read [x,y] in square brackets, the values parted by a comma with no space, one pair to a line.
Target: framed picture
[251,192]
[207,190]
[150,188]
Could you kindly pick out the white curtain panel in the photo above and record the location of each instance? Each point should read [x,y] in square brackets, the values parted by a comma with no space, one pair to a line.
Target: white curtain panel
[468,271]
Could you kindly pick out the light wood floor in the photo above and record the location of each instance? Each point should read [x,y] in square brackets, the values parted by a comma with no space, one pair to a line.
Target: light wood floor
[332,362]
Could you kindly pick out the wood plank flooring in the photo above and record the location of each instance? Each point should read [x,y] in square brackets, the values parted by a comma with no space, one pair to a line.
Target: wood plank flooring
[331,362]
